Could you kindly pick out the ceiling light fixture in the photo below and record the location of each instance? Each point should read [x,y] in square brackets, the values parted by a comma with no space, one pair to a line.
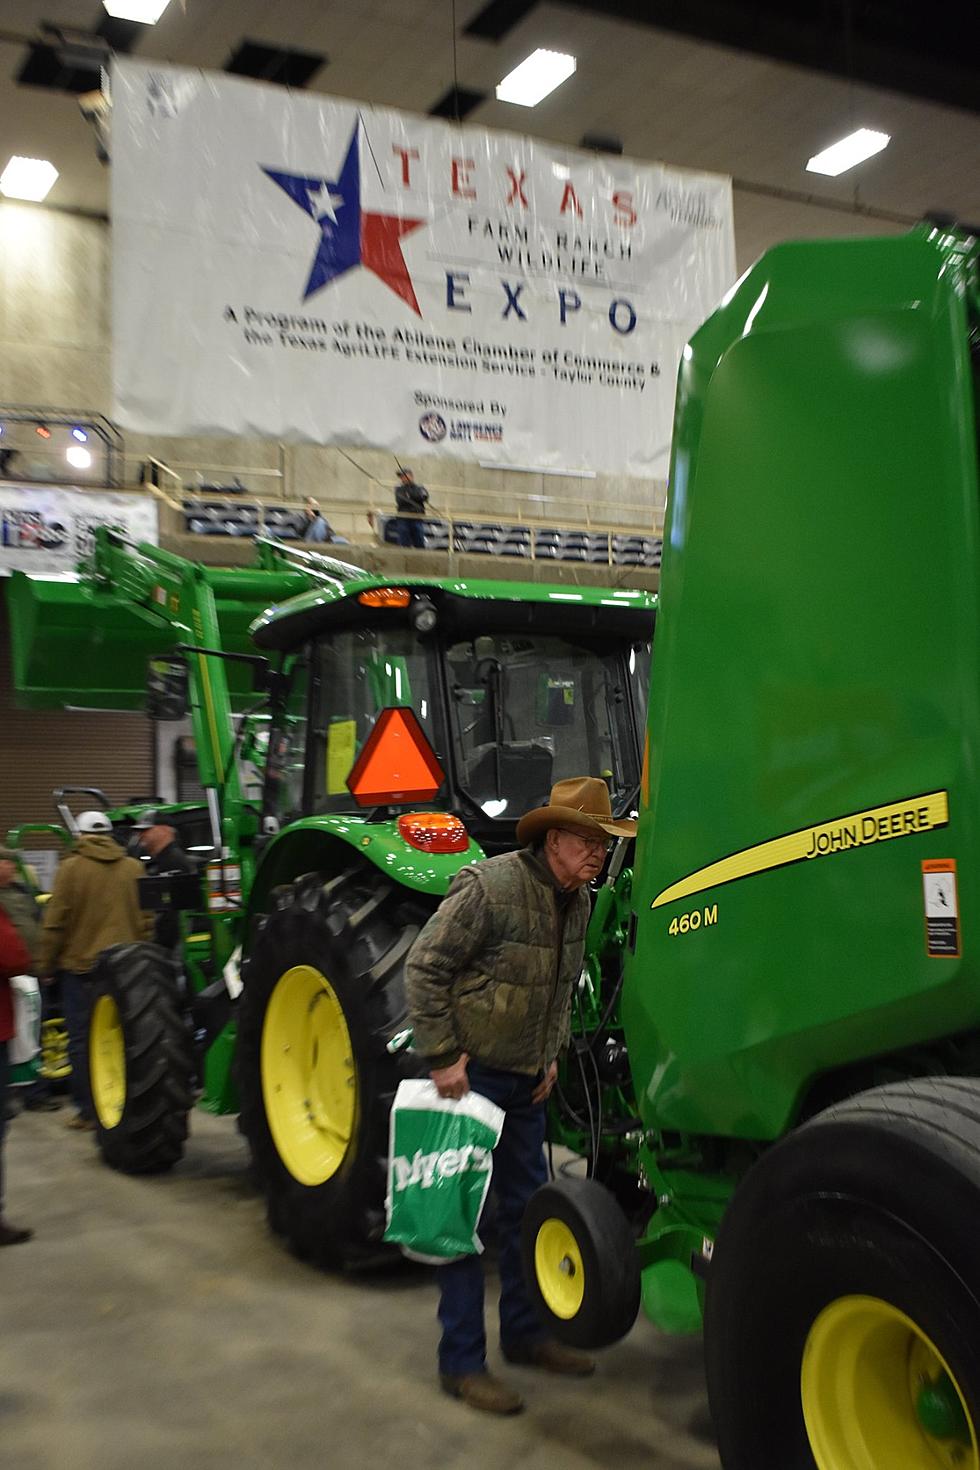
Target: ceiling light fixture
[537,75]
[147,12]
[79,458]
[80,435]
[855,148]
[27,178]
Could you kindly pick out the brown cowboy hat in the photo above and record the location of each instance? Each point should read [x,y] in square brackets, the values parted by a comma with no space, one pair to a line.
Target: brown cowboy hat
[582,804]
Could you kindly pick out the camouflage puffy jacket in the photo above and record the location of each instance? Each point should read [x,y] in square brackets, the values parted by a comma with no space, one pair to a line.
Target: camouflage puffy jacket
[492,972]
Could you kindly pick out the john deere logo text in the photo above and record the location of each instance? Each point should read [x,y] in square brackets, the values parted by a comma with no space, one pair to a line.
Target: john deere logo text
[878,826]
[856,829]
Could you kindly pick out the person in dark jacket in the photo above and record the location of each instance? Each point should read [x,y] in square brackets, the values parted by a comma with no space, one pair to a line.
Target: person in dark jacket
[412,498]
[158,840]
[164,857]
[15,959]
[489,982]
[94,903]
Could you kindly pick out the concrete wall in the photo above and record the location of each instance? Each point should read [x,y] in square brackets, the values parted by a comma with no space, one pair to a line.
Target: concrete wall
[54,352]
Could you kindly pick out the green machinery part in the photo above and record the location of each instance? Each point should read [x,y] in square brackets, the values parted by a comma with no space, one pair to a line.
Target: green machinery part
[814,721]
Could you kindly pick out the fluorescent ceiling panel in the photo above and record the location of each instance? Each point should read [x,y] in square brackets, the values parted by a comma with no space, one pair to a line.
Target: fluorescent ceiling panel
[148,12]
[27,178]
[537,75]
[853,149]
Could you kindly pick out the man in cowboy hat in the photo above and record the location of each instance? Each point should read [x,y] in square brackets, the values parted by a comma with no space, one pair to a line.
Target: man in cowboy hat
[489,983]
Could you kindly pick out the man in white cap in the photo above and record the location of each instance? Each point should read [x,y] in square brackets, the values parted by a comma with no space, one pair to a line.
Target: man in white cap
[94,903]
[490,982]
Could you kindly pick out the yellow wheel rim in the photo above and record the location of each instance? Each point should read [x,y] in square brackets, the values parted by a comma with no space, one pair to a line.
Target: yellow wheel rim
[309,1082]
[558,1268]
[107,1062]
[878,1394]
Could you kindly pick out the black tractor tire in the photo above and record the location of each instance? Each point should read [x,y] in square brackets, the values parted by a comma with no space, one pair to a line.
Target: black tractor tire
[355,930]
[601,1307]
[866,1212]
[141,1117]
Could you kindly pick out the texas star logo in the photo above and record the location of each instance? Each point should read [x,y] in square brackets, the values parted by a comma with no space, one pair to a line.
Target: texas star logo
[350,235]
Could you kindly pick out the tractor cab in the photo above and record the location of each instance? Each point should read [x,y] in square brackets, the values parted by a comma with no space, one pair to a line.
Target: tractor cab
[505,689]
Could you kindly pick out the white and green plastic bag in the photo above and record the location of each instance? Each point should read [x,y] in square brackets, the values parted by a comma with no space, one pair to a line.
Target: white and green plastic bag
[440,1161]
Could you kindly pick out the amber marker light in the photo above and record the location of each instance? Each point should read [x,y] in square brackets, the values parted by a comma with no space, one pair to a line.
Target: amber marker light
[385,597]
[433,832]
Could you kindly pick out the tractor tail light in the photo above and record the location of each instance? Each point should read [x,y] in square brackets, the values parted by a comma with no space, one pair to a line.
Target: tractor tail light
[385,597]
[433,832]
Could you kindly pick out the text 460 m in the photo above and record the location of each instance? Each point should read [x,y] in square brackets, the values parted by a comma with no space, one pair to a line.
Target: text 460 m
[696,919]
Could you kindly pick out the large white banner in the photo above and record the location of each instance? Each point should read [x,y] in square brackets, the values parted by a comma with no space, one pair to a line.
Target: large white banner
[298,267]
[48,528]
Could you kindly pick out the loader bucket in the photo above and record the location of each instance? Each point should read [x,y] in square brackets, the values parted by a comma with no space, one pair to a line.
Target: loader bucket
[73,646]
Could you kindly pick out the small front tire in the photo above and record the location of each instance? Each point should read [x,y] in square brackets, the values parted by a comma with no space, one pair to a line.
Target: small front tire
[580,1263]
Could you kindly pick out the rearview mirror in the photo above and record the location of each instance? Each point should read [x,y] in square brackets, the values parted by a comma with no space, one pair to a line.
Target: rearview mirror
[166,689]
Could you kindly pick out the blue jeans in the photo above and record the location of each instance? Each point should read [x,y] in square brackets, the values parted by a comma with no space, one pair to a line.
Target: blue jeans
[4,1079]
[407,533]
[518,1170]
[76,998]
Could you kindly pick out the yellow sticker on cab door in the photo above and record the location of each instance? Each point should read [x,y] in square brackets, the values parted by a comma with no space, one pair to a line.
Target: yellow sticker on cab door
[341,745]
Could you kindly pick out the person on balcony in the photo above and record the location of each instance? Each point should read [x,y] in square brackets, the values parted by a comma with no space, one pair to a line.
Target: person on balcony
[412,499]
[317,526]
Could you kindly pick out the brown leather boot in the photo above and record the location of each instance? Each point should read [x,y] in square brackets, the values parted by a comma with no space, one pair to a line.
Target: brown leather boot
[12,1235]
[482,1391]
[551,1356]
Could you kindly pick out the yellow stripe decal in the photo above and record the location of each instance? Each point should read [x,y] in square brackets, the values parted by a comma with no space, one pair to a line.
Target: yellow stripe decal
[877,824]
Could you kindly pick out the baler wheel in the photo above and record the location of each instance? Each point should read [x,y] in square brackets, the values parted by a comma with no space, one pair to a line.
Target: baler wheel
[324,993]
[580,1263]
[842,1323]
[140,1059]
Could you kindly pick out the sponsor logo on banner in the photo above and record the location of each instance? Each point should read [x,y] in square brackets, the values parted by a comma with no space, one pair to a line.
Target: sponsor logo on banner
[432,426]
[29,530]
[347,274]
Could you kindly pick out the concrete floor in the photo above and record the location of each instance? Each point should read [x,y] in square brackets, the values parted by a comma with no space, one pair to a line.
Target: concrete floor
[156,1324]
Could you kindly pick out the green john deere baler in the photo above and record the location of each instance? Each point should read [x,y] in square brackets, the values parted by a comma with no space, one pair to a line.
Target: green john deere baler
[801,1000]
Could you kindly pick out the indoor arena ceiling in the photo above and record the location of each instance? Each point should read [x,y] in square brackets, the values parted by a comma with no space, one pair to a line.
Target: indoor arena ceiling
[751,90]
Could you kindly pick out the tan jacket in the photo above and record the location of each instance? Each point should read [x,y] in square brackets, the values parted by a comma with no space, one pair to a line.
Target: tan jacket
[93,904]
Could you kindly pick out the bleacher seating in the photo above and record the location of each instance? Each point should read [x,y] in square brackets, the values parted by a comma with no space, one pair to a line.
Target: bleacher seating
[491,538]
[207,516]
[212,517]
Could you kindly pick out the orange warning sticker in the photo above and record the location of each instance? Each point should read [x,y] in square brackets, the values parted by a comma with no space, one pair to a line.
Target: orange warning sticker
[942,908]
[396,764]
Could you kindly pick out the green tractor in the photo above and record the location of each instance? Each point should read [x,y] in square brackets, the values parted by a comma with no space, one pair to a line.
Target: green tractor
[793,976]
[396,732]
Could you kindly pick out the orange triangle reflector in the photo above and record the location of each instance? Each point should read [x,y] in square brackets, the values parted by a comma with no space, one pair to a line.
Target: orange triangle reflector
[396,763]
